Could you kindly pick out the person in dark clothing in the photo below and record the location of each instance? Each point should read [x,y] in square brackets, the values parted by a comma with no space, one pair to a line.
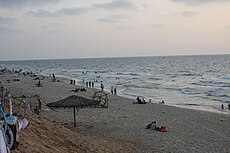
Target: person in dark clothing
[102,86]
[54,78]
[112,90]
[115,91]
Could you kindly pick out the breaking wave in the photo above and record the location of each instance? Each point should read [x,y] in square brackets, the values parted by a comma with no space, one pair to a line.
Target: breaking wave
[212,83]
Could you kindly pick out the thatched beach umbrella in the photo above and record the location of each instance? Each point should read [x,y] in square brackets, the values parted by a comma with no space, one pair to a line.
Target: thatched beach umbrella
[75,102]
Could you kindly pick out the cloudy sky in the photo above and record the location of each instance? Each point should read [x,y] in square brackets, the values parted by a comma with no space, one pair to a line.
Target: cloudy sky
[40,29]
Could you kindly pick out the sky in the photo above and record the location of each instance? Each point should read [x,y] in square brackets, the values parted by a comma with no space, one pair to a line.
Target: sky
[49,29]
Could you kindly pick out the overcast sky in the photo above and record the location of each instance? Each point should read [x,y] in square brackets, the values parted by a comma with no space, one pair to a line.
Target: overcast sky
[38,29]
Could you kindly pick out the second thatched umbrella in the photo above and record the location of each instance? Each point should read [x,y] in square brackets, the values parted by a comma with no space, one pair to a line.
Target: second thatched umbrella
[75,102]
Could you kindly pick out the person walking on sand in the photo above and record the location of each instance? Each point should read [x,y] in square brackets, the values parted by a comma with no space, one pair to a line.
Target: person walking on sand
[222,106]
[228,106]
[115,91]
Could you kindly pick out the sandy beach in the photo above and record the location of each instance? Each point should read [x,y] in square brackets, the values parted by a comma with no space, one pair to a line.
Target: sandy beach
[118,128]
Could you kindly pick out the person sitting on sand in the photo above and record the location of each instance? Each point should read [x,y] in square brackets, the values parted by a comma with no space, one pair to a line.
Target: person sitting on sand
[137,99]
[143,101]
[162,102]
[154,125]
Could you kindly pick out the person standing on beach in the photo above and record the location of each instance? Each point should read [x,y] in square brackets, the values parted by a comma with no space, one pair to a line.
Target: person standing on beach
[92,84]
[102,86]
[228,106]
[54,79]
[112,90]
[222,106]
[115,91]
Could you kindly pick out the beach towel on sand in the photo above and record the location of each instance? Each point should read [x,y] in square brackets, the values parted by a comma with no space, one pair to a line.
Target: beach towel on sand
[163,129]
[149,126]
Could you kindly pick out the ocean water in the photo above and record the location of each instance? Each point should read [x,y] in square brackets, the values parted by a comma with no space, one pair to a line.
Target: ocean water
[194,82]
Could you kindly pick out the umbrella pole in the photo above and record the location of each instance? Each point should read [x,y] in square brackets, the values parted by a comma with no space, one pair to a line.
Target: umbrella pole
[74,115]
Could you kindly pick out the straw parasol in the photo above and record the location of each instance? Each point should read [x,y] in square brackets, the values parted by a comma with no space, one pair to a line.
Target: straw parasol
[74,101]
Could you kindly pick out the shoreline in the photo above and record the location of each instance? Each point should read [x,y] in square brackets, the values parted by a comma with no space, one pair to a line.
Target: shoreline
[188,130]
[81,84]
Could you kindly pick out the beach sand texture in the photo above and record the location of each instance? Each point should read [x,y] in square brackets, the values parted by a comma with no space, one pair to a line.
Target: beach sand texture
[118,128]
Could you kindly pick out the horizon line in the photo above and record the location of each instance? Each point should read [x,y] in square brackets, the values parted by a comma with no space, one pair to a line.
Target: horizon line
[103,57]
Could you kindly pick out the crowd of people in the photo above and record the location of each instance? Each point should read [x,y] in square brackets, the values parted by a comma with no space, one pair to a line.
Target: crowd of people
[91,84]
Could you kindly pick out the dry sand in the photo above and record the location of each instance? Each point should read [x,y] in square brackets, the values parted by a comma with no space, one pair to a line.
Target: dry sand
[118,128]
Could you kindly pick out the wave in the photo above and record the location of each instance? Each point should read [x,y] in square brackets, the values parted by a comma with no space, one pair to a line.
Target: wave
[189,91]
[103,71]
[152,78]
[183,74]
[150,86]
[131,74]
[214,95]
[128,94]
[119,84]
[212,83]
[189,104]
[170,88]
[188,74]
[218,95]
[225,77]
[219,99]
[209,93]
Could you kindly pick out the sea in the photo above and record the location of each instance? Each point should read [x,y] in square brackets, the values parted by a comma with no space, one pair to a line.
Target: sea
[194,82]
